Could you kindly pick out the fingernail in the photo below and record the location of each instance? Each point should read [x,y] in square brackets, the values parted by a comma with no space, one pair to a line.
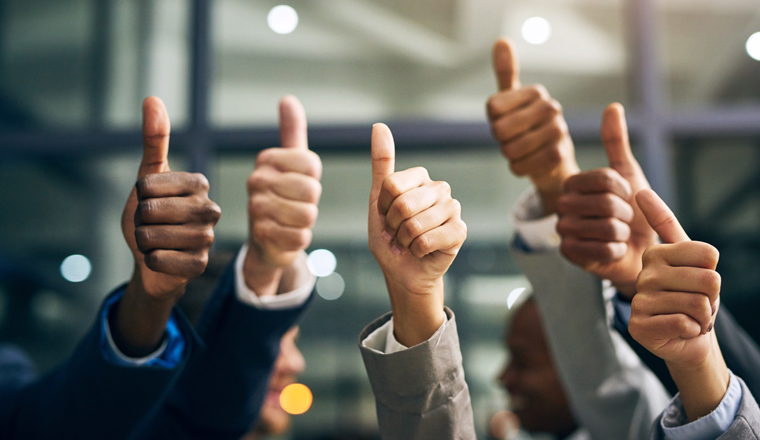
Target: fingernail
[709,328]
[395,250]
[386,236]
[714,309]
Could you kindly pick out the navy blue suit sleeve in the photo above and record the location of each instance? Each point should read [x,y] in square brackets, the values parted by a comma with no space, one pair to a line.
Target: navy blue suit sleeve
[88,397]
[223,388]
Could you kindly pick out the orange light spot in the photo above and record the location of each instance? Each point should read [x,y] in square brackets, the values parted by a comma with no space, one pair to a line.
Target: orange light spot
[296,399]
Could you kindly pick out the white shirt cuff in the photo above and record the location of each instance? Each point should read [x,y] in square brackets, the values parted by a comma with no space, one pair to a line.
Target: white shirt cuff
[382,339]
[130,360]
[538,231]
[288,300]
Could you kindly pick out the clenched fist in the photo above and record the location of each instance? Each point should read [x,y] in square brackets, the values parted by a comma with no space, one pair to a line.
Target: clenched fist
[415,232]
[530,127]
[283,193]
[168,223]
[673,313]
[602,228]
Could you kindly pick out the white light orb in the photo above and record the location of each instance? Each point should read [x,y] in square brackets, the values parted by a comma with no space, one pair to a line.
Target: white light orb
[753,46]
[331,287]
[76,268]
[282,19]
[514,296]
[321,262]
[536,30]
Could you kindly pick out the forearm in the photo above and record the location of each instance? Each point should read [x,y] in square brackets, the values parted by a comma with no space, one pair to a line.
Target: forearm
[416,316]
[703,386]
[550,186]
[261,276]
[139,320]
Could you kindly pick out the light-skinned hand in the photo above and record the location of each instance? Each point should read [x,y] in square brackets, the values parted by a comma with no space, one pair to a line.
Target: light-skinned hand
[673,313]
[415,232]
[530,127]
[283,193]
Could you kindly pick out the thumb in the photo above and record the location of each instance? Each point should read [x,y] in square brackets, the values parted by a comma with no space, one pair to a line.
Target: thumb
[506,65]
[293,123]
[660,217]
[156,128]
[616,142]
[383,157]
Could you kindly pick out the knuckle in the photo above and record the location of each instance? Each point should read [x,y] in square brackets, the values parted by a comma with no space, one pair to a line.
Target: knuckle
[556,105]
[711,280]
[456,206]
[310,215]
[205,237]
[198,263]
[302,239]
[314,165]
[313,192]
[536,91]
[412,227]
[155,260]
[403,207]
[143,185]
[424,245]
[265,156]
[146,210]
[549,109]
[201,182]
[443,187]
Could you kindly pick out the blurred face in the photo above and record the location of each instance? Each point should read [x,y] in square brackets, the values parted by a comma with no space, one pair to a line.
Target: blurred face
[535,390]
[290,363]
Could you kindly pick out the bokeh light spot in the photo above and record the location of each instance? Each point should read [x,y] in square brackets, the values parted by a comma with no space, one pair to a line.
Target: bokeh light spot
[76,268]
[753,46]
[536,30]
[296,399]
[321,262]
[282,19]
[331,287]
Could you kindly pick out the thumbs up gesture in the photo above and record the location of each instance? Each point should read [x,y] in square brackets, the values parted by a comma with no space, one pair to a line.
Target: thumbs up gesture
[530,127]
[673,313]
[415,232]
[168,223]
[602,228]
[283,193]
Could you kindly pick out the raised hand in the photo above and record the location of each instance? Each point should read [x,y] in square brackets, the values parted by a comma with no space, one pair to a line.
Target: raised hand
[674,311]
[530,127]
[283,193]
[415,232]
[168,223]
[602,228]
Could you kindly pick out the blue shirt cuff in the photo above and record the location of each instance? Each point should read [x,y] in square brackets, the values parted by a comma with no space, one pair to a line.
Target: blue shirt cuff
[622,308]
[168,355]
[676,426]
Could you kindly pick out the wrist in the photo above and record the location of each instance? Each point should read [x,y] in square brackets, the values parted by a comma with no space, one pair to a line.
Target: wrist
[416,315]
[626,289]
[138,321]
[261,276]
[551,186]
[702,385]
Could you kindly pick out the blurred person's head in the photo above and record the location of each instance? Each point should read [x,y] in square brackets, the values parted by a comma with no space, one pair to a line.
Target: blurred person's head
[273,420]
[535,389]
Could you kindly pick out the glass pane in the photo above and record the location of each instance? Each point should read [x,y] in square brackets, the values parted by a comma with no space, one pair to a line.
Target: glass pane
[89,63]
[361,61]
[704,50]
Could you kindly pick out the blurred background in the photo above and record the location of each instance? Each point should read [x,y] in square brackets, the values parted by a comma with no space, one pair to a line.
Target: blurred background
[74,72]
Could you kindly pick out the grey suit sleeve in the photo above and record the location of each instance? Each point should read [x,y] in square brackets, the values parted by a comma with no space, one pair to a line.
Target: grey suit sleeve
[420,392]
[612,394]
[746,425]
